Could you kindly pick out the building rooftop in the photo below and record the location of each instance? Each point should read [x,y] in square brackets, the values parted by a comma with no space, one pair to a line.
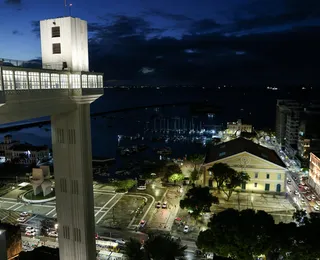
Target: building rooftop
[28,147]
[239,145]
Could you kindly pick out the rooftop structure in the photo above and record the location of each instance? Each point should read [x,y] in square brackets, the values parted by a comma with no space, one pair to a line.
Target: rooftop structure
[63,89]
[240,145]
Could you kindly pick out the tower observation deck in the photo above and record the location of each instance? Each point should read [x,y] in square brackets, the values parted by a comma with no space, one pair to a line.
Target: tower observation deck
[63,89]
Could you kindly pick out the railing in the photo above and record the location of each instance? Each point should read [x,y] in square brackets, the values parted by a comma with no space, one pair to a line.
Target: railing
[15,78]
[20,63]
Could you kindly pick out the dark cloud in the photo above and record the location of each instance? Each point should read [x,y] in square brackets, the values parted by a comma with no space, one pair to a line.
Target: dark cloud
[16,32]
[13,2]
[169,16]
[267,13]
[204,26]
[128,46]
[290,56]
[35,25]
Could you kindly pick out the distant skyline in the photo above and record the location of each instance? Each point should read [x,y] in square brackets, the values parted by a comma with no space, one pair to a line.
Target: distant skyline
[234,40]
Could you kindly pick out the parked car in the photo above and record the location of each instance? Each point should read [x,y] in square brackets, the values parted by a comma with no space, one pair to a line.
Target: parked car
[186,229]
[142,223]
[30,233]
[24,214]
[21,219]
[316,208]
[30,229]
[158,205]
[121,241]
[53,234]
[164,205]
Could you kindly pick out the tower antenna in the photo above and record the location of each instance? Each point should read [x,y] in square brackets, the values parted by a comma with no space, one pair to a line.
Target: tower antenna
[70,5]
[65,7]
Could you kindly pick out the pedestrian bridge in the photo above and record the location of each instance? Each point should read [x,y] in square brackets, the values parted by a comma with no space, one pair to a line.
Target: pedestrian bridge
[30,93]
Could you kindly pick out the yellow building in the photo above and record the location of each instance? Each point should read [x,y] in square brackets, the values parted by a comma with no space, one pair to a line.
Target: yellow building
[266,170]
[314,172]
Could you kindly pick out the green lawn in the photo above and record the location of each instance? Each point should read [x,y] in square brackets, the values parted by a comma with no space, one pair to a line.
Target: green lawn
[30,196]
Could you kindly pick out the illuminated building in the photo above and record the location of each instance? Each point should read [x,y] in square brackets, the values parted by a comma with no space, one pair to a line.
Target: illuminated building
[314,172]
[64,90]
[238,127]
[26,153]
[287,124]
[266,170]
[309,133]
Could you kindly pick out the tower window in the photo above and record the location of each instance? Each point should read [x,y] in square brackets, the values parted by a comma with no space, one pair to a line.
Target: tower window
[55,31]
[56,48]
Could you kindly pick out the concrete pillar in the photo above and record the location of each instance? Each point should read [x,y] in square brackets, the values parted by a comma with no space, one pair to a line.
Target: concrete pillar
[72,153]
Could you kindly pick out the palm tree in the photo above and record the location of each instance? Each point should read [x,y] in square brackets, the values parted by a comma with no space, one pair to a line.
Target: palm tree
[157,247]
[134,250]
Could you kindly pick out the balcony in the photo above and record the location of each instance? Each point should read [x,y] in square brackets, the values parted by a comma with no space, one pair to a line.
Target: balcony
[19,79]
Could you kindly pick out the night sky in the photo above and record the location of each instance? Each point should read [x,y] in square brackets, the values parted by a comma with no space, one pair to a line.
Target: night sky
[212,41]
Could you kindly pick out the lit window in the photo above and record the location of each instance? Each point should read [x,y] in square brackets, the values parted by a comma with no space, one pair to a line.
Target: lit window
[75,81]
[0,81]
[256,185]
[222,154]
[92,81]
[64,81]
[84,81]
[34,80]
[55,31]
[45,81]
[268,176]
[8,80]
[100,81]
[55,81]
[56,48]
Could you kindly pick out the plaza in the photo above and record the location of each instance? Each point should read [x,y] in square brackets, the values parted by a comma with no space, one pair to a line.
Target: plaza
[110,208]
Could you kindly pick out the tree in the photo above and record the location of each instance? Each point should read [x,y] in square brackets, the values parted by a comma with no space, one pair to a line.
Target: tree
[238,234]
[171,169]
[235,180]
[176,177]
[198,200]
[164,247]
[134,250]
[300,216]
[125,185]
[196,160]
[228,179]
[220,173]
[194,175]
[157,247]
[247,234]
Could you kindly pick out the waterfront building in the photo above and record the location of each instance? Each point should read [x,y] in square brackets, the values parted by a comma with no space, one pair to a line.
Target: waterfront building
[238,127]
[26,154]
[314,172]
[63,89]
[266,170]
[14,152]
